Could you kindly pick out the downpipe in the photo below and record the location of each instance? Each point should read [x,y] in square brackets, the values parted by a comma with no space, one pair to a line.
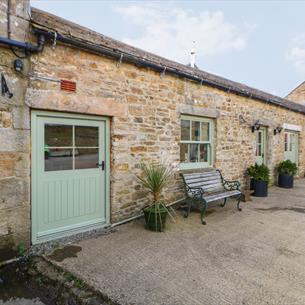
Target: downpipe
[26,46]
[140,215]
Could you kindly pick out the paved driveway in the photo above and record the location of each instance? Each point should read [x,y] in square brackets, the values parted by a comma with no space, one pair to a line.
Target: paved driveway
[256,256]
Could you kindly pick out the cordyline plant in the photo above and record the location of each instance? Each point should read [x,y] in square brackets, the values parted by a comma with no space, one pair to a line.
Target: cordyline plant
[155,177]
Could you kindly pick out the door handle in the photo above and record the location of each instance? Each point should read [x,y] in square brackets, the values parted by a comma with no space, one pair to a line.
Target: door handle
[101,165]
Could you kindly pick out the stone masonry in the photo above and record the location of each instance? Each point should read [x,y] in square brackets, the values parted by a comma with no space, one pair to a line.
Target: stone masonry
[14,133]
[298,94]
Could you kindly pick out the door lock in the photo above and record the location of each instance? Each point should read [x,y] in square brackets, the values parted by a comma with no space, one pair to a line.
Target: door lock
[101,165]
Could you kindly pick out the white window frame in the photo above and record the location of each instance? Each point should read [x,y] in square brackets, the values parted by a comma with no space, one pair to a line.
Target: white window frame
[194,165]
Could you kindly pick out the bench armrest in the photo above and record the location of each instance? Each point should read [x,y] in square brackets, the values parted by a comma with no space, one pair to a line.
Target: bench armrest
[196,191]
[231,185]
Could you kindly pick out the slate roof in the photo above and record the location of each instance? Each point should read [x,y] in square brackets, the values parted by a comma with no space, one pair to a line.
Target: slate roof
[66,28]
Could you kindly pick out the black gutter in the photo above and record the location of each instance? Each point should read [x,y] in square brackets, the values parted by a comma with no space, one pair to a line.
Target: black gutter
[126,57]
[28,47]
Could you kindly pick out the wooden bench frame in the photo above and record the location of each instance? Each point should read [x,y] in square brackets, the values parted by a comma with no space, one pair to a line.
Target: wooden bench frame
[203,192]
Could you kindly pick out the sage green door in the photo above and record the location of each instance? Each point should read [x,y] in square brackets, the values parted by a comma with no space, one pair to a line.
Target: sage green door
[291,146]
[69,170]
[260,152]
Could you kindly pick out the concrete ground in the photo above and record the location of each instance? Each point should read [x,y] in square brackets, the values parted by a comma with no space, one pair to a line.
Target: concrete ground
[256,256]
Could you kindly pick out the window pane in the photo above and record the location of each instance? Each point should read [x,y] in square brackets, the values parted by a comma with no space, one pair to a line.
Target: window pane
[286,141]
[205,131]
[57,159]
[195,131]
[58,135]
[86,158]
[203,152]
[183,152]
[185,130]
[194,152]
[292,141]
[86,136]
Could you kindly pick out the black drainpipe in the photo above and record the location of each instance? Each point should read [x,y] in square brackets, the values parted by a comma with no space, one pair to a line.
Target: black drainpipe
[28,47]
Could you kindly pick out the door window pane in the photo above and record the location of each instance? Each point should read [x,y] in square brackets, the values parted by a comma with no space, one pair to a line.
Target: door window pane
[86,136]
[291,144]
[205,131]
[203,152]
[58,135]
[195,131]
[185,130]
[58,159]
[86,158]
[286,141]
[194,152]
[183,152]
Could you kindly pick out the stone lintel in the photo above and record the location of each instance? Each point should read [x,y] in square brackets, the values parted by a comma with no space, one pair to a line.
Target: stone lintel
[75,103]
[198,111]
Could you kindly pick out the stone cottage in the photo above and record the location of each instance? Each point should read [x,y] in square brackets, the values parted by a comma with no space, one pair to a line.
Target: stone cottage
[80,111]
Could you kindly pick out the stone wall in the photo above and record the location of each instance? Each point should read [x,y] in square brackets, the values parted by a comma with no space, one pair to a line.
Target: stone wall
[145,109]
[14,136]
[298,94]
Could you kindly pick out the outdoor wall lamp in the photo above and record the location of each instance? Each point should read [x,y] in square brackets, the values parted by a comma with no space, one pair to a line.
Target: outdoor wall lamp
[256,126]
[18,65]
[277,130]
[4,88]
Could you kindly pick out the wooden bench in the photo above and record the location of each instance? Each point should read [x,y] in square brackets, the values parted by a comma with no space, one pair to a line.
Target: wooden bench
[209,186]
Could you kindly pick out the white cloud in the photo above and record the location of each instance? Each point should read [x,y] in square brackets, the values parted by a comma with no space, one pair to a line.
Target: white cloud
[296,54]
[170,32]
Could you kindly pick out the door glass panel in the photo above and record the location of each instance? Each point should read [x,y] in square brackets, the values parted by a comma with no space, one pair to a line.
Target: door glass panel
[183,152]
[291,144]
[205,131]
[86,158]
[286,141]
[57,159]
[58,135]
[86,136]
[203,153]
[194,152]
[195,131]
[185,130]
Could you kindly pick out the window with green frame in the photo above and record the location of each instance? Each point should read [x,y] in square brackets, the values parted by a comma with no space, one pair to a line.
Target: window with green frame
[196,142]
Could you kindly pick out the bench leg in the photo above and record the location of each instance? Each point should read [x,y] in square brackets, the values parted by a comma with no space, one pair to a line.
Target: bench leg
[188,210]
[238,202]
[224,203]
[203,213]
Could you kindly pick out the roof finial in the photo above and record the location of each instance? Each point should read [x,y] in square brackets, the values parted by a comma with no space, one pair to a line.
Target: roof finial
[193,55]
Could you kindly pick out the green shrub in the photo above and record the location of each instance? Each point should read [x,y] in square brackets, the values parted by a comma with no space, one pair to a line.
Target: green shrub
[287,168]
[259,172]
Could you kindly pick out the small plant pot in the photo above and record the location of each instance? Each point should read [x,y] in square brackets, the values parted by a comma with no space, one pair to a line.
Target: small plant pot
[285,181]
[260,188]
[155,218]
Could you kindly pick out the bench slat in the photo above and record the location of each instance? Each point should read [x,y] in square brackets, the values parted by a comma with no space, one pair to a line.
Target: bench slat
[205,183]
[204,174]
[203,180]
[227,194]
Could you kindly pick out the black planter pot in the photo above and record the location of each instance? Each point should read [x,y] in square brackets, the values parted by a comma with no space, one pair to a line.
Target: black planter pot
[285,181]
[152,218]
[251,184]
[260,188]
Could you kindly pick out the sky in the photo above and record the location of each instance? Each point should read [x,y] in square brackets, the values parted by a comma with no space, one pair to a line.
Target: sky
[258,43]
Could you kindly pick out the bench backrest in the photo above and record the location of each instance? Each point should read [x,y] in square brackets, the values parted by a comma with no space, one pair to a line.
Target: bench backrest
[209,181]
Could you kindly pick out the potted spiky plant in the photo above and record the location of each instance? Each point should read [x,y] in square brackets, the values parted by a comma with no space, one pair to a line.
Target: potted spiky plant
[260,176]
[286,169]
[154,178]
